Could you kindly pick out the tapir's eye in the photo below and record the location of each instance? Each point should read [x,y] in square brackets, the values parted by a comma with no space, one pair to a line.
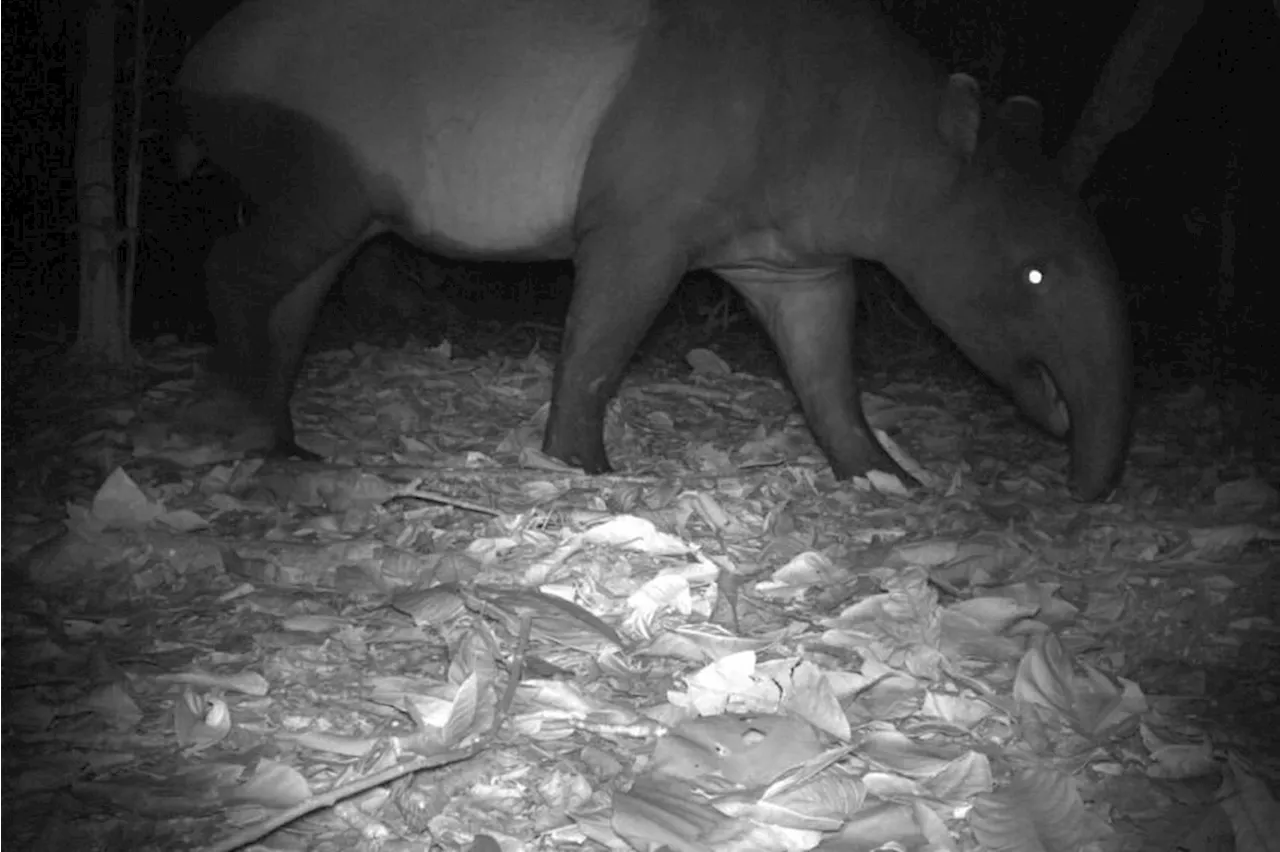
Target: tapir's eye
[1036,276]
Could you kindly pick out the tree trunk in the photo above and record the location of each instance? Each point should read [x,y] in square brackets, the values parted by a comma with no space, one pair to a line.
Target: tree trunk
[133,176]
[1124,93]
[103,333]
[1228,223]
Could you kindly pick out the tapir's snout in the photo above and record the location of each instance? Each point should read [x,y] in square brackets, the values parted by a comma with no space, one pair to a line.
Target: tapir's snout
[1073,374]
[1098,387]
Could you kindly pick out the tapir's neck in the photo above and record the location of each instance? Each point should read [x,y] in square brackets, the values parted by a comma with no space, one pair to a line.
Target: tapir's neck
[926,227]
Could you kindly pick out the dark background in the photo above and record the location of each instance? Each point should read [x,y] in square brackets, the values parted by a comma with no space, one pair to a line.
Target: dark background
[1156,191]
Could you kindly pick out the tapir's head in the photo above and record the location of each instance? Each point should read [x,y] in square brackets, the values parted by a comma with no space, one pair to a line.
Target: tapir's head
[1013,268]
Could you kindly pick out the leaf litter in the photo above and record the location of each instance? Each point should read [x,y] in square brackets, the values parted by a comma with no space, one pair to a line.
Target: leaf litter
[441,638]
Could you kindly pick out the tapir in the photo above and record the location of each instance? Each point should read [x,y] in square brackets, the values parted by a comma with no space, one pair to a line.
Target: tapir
[772,142]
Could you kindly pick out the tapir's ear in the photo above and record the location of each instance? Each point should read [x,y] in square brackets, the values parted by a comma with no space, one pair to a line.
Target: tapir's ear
[960,118]
[1015,134]
[1022,120]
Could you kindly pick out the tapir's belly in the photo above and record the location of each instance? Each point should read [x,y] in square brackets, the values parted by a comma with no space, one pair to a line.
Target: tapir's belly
[473,119]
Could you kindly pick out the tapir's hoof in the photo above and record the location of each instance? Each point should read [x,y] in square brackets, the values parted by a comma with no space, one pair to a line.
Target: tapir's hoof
[890,468]
[285,448]
[599,467]
[907,479]
[899,471]
[864,457]
[593,460]
[594,468]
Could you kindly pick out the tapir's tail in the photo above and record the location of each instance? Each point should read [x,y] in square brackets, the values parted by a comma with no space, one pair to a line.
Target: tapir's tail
[186,153]
[186,156]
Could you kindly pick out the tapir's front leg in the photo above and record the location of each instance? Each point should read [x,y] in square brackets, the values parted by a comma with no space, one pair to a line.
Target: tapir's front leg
[809,314]
[624,278]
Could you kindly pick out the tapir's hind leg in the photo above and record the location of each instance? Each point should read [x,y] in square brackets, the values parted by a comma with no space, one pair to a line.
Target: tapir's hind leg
[624,278]
[267,282]
[288,329]
[810,317]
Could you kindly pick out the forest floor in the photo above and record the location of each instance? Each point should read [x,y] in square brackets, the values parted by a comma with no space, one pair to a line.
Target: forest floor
[440,639]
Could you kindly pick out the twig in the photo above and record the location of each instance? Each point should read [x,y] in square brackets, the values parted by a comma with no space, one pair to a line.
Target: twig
[514,673]
[257,832]
[413,492]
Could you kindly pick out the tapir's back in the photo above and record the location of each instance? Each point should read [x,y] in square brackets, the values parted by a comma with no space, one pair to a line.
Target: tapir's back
[473,111]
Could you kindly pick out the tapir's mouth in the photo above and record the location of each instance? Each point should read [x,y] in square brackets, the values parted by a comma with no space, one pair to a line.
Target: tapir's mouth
[1057,417]
[1041,398]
